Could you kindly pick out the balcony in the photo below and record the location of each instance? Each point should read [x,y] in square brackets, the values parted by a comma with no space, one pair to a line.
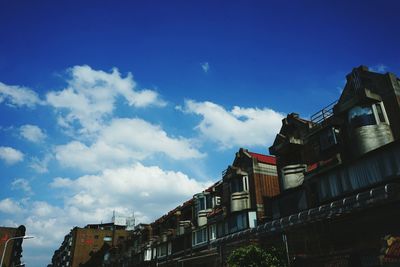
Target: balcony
[373,168]
[203,205]
[240,201]
[202,217]
[321,116]
[293,175]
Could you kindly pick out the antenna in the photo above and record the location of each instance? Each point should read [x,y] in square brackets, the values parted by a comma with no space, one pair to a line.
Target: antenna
[130,222]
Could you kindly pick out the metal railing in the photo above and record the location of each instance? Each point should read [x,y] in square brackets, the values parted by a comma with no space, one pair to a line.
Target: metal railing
[359,201]
[323,114]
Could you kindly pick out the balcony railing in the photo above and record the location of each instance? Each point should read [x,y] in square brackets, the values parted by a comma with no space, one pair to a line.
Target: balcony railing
[342,207]
[324,114]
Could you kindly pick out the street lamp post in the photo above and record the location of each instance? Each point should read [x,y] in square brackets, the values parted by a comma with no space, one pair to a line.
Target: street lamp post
[8,240]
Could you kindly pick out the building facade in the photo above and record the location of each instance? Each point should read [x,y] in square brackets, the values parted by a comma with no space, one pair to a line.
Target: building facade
[13,252]
[88,246]
[184,236]
[329,195]
[340,173]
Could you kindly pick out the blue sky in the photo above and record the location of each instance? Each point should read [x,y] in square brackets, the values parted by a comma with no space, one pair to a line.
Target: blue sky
[137,105]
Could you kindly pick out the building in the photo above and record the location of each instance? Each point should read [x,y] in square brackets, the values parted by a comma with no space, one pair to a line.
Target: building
[89,246]
[329,195]
[13,253]
[184,236]
[232,205]
[340,175]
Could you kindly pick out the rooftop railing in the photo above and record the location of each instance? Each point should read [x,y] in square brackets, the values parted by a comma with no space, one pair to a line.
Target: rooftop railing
[324,114]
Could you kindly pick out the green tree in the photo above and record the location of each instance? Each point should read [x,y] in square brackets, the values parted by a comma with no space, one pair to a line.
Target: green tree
[254,256]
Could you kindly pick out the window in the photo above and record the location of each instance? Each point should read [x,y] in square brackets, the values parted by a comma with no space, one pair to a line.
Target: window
[240,185]
[236,185]
[213,232]
[162,250]
[209,202]
[220,230]
[154,253]
[379,112]
[237,223]
[199,236]
[241,221]
[204,202]
[252,219]
[245,183]
[147,254]
[107,238]
[367,115]
[169,250]
[328,138]
[361,116]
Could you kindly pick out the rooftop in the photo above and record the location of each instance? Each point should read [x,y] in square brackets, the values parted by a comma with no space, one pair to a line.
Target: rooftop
[263,158]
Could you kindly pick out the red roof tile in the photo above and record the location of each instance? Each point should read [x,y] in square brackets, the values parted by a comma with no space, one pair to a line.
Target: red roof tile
[263,158]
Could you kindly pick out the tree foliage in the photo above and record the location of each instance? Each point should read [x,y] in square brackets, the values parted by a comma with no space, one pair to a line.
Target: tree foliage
[254,256]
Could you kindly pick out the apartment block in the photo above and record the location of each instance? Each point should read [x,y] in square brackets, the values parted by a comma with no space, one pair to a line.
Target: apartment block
[88,246]
[184,236]
[328,195]
[339,173]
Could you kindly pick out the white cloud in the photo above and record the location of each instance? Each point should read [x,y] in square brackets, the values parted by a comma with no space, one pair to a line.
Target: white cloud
[8,205]
[44,209]
[40,165]
[40,219]
[44,218]
[380,68]
[21,184]
[10,155]
[91,94]
[60,182]
[122,142]
[39,224]
[238,127]
[32,133]
[136,187]
[205,66]
[18,96]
